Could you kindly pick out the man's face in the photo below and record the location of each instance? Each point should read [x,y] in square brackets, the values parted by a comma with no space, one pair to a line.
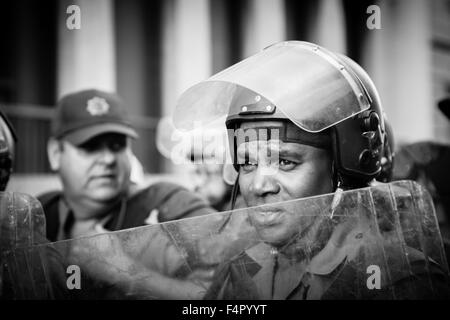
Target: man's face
[98,170]
[296,171]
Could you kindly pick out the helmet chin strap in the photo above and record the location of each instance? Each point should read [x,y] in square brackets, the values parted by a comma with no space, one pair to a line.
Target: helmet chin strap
[337,189]
[339,186]
[335,177]
[235,192]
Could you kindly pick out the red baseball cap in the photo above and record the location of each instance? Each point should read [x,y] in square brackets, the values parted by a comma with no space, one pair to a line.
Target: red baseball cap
[82,115]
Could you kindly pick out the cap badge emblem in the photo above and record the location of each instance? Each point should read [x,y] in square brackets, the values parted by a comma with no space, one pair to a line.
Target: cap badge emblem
[97,106]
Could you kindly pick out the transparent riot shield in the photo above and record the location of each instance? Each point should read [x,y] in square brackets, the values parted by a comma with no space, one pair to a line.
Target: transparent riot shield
[380,242]
[22,224]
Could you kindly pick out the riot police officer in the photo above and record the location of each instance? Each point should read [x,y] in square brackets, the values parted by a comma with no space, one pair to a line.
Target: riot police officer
[302,121]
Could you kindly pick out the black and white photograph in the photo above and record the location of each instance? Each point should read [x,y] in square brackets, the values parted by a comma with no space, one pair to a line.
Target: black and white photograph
[247,150]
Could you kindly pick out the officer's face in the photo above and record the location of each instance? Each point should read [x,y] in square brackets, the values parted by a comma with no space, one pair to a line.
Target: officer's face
[299,171]
[98,169]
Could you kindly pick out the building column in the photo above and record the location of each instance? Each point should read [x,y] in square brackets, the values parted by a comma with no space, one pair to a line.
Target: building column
[264,24]
[328,28]
[186,48]
[187,53]
[398,58]
[86,56]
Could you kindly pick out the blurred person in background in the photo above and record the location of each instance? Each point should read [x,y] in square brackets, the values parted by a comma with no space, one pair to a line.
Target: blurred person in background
[428,163]
[209,183]
[209,176]
[214,182]
[90,150]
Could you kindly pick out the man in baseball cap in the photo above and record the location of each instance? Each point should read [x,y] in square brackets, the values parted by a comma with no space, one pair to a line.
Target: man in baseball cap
[90,150]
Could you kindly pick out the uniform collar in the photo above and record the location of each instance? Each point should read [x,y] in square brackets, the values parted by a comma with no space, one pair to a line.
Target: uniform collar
[342,243]
[278,274]
[67,219]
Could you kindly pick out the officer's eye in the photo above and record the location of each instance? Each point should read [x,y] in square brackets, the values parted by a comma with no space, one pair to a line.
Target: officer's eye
[287,164]
[248,166]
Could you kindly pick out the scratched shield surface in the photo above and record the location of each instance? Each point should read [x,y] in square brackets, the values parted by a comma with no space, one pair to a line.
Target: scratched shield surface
[22,224]
[381,242]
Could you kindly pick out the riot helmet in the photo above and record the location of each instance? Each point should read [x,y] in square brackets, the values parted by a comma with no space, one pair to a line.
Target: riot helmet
[323,99]
[7,150]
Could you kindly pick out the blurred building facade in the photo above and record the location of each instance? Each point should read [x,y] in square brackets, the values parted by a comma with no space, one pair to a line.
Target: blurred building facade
[151,51]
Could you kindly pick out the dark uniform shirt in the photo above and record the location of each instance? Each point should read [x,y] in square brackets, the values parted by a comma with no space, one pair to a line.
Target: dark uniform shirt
[159,202]
[338,271]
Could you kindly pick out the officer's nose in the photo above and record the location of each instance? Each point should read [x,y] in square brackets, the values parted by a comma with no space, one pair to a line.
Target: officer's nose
[264,182]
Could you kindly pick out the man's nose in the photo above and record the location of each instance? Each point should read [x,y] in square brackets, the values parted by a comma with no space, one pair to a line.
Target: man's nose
[107,156]
[264,182]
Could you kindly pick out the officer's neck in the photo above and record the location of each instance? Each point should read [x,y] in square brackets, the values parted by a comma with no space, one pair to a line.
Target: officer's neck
[309,242]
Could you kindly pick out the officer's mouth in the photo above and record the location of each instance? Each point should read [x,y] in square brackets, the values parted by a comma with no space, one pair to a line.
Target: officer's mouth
[267,216]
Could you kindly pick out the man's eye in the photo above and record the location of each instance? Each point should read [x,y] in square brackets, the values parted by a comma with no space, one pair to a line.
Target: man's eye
[90,146]
[117,146]
[286,164]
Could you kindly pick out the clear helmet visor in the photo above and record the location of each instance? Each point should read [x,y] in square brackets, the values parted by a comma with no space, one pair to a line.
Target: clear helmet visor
[306,83]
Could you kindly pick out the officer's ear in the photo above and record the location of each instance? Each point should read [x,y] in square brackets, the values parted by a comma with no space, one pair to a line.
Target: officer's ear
[54,149]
